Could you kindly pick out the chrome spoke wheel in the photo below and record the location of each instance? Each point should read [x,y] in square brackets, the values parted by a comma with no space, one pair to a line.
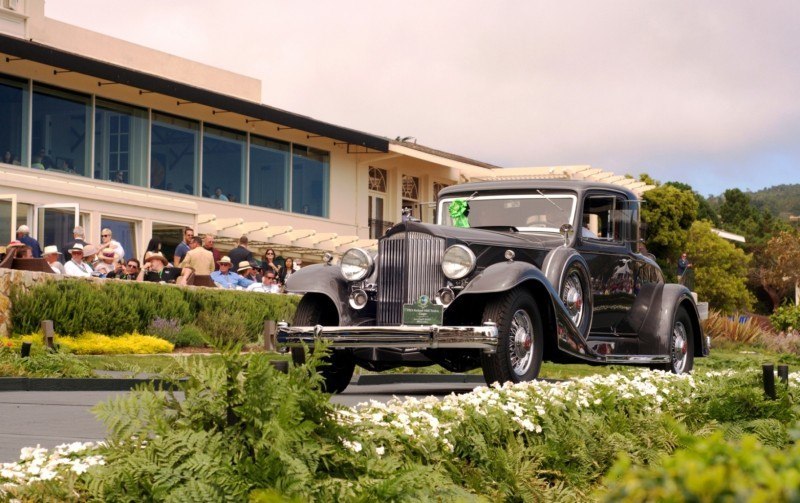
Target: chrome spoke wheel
[520,342]
[680,347]
[572,296]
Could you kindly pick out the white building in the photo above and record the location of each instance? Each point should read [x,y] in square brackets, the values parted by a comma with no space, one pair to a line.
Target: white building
[106,133]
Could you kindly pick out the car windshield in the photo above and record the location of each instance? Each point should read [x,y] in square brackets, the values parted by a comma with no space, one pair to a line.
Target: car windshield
[542,212]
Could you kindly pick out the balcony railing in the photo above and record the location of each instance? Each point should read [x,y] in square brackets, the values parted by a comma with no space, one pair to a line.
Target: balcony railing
[377,228]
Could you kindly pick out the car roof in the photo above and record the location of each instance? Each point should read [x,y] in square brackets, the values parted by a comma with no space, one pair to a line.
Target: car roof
[579,186]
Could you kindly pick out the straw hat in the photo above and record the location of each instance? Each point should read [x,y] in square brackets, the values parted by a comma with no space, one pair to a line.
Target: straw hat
[244,265]
[49,250]
[76,247]
[156,256]
[225,260]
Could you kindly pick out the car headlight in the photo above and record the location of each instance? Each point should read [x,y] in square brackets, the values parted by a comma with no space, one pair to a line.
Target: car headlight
[356,264]
[458,261]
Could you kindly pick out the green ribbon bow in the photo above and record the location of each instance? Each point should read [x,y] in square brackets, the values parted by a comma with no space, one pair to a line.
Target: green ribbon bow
[458,210]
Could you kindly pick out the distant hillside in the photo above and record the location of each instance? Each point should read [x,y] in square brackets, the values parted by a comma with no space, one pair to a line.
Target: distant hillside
[780,200]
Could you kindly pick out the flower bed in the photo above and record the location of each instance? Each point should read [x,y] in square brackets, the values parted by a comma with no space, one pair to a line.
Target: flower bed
[530,441]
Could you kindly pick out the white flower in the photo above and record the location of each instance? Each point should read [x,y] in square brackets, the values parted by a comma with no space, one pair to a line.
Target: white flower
[80,467]
[380,450]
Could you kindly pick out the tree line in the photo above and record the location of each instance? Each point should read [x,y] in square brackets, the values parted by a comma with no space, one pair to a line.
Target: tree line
[759,274]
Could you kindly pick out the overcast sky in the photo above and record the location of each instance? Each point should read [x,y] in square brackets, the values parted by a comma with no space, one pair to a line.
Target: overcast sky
[702,92]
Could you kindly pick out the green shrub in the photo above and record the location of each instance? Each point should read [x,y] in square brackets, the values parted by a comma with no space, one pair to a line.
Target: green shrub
[786,318]
[223,325]
[40,363]
[115,307]
[243,427]
[710,470]
[189,336]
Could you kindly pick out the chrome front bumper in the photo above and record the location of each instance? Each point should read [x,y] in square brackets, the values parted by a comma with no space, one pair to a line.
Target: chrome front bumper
[404,336]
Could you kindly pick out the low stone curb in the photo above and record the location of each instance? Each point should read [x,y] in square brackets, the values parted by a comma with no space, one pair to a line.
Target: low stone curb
[128,383]
[75,384]
[370,379]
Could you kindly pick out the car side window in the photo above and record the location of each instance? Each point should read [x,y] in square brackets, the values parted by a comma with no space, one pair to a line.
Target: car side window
[603,219]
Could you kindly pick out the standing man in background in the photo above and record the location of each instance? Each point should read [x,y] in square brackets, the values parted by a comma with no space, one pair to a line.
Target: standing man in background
[198,259]
[24,235]
[241,253]
[208,244]
[184,246]
[683,265]
[78,237]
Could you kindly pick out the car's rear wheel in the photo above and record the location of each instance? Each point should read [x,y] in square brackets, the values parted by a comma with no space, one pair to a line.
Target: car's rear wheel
[520,340]
[338,367]
[681,344]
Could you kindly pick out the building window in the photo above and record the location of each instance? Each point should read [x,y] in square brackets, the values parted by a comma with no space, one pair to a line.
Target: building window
[173,155]
[438,187]
[269,173]
[60,131]
[123,231]
[377,197]
[377,179]
[14,117]
[120,143]
[310,175]
[223,164]
[410,187]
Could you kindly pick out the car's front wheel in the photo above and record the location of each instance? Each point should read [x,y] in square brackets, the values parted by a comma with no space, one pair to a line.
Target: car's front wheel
[338,367]
[681,344]
[520,340]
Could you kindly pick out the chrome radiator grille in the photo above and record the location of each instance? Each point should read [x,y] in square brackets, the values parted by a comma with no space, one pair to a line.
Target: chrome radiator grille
[409,265]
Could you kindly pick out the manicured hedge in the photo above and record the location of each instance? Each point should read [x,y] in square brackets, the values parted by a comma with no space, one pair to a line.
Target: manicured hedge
[117,307]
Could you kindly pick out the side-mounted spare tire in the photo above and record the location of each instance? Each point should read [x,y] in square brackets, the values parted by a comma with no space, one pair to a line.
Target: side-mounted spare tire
[338,367]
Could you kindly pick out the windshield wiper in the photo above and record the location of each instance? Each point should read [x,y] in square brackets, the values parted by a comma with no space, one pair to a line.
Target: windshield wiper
[549,200]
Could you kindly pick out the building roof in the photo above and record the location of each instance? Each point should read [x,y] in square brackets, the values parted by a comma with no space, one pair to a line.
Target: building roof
[64,60]
[529,184]
[442,154]
[578,172]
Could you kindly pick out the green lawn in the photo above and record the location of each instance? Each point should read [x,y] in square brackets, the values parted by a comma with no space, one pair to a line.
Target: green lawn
[730,357]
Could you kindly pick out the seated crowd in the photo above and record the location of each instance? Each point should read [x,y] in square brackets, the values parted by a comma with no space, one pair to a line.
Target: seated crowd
[194,257]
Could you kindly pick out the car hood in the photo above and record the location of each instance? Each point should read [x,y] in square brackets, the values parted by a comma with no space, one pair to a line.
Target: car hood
[507,239]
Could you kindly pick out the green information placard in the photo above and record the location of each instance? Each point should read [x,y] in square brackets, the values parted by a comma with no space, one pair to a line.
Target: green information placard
[422,314]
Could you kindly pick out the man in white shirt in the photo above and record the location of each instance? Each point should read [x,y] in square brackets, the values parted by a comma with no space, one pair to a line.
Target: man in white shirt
[76,266]
[51,254]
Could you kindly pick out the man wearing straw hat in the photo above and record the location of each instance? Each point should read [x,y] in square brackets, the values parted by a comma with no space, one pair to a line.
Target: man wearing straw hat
[76,266]
[155,269]
[51,254]
[224,278]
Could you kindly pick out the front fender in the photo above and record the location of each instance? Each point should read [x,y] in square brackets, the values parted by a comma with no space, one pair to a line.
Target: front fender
[323,279]
[504,276]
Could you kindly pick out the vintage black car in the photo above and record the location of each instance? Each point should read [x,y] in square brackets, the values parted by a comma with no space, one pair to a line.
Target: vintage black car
[514,273]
